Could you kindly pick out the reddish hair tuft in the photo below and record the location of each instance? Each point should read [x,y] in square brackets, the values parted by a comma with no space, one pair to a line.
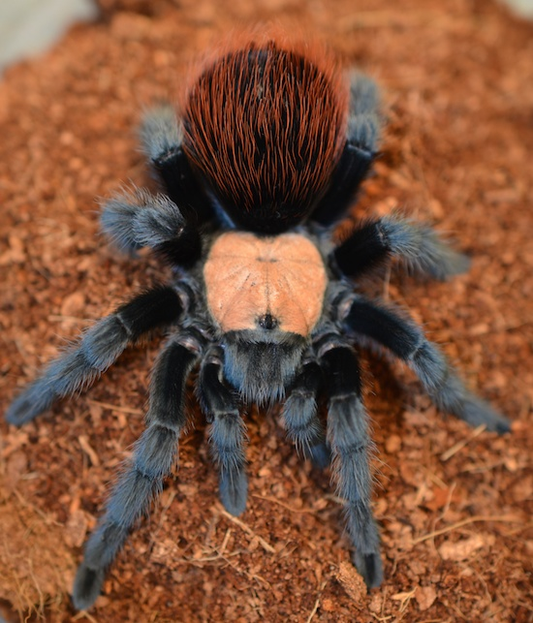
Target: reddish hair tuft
[265,126]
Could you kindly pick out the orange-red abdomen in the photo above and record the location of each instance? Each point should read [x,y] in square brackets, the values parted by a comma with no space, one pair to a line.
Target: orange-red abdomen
[264,126]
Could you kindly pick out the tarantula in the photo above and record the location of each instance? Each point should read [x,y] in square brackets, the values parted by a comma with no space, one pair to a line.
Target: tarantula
[264,160]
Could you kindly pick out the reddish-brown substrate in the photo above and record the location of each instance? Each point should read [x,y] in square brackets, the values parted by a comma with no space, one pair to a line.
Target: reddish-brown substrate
[456,520]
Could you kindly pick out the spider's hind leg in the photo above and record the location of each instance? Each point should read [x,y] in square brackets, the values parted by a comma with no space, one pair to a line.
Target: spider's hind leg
[228,432]
[137,219]
[161,134]
[359,151]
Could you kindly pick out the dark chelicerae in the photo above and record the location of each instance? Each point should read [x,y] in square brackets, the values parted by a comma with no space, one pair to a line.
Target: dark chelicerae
[262,163]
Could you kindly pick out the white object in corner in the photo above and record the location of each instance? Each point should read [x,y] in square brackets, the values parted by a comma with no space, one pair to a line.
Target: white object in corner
[28,27]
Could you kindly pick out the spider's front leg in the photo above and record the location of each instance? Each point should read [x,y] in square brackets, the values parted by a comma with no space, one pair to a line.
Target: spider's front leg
[152,460]
[406,340]
[350,443]
[300,414]
[228,432]
[99,347]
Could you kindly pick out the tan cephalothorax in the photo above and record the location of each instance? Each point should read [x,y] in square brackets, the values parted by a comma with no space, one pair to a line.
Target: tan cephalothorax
[248,278]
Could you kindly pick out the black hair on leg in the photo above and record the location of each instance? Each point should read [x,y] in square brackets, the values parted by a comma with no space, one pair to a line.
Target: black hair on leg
[152,460]
[351,446]
[99,348]
[407,341]
[359,151]
[139,219]
[227,434]
[418,247]
[162,135]
[300,414]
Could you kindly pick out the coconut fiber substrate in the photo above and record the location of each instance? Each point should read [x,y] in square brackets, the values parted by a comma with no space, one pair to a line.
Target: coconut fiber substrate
[454,504]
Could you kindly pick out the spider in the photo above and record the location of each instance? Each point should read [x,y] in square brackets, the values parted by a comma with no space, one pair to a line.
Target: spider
[271,145]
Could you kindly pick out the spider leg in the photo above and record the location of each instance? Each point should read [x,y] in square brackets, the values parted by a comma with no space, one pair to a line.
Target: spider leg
[417,246]
[162,136]
[152,459]
[300,415]
[228,432]
[139,219]
[99,347]
[351,446]
[407,341]
[359,151]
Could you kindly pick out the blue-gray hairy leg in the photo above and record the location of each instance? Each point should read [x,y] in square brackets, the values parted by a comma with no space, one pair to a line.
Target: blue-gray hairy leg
[364,117]
[300,414]
[142,480]
[407,341]
[416,246]
[351,447]
[161,134]
[227,434]
[139,219]
[99,347]
[362,138]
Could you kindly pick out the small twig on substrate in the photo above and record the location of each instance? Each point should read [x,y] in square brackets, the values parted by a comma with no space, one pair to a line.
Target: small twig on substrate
[85,615]
[465,522]
[310,511]
[461,444]
[264,544]
[317,603]
[120,409]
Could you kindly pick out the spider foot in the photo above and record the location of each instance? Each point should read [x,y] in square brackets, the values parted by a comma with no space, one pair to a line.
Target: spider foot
[320,455]
[87,586]
[476,412]
[370,567]
[233,487]
[28,405]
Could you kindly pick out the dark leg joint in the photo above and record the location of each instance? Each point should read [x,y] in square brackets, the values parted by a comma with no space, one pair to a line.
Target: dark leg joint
[383,326]
[155,308]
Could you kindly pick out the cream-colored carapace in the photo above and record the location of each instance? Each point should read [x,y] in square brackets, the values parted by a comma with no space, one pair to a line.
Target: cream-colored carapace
[248,279]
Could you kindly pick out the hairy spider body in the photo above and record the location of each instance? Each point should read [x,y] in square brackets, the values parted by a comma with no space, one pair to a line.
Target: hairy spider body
[265,161]
[266,296]
[277,119]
